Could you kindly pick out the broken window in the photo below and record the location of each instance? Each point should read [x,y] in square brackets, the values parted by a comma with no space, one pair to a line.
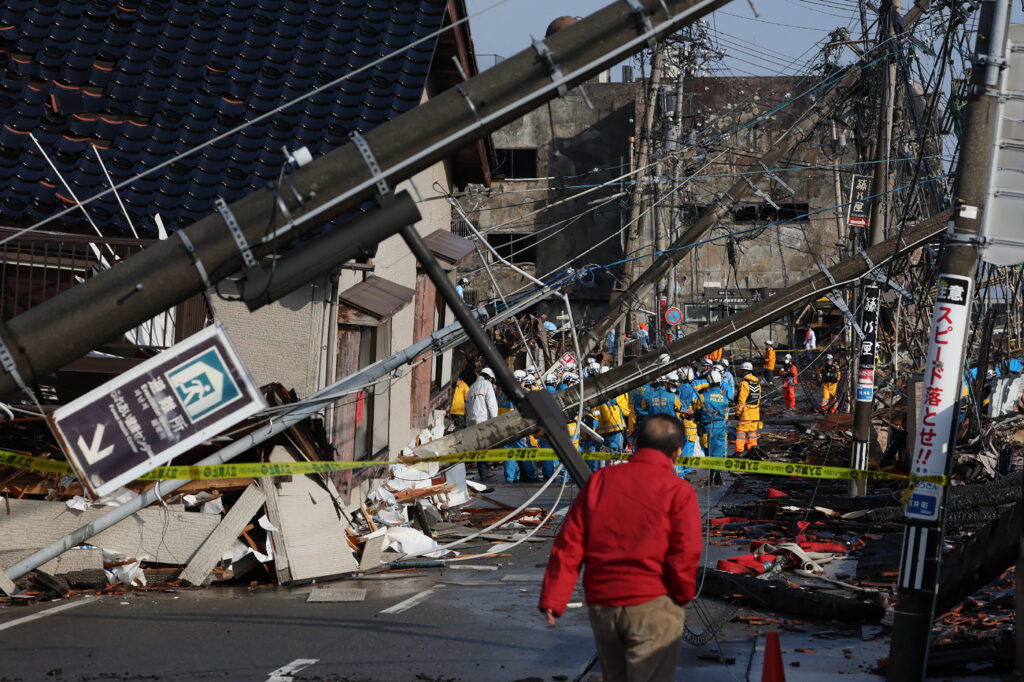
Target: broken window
[372,404]
[515,248]
[516,163]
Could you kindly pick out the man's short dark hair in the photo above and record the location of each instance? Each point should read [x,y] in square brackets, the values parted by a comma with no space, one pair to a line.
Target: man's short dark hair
[660,432]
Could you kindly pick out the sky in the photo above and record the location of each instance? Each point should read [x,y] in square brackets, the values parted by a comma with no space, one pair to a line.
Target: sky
[785,30]
[784,37]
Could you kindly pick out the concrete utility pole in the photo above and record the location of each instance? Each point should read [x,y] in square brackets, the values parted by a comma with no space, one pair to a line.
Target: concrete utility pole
[67,326]
[641,288]
[864,379]
[512,425]
[936,434]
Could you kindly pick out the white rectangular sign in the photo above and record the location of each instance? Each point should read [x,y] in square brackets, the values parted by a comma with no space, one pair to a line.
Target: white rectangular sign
[155,411]
[940,393]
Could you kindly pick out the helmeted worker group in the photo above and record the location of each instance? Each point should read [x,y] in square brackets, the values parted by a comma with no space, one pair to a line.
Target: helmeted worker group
[701,395]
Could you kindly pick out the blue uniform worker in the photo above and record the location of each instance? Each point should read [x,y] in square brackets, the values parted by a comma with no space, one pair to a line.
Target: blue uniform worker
[728,384]
[713,413]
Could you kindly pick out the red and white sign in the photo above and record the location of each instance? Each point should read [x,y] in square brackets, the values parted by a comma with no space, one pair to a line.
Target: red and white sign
[941,392]
[866,377]
[567,360]
[673,316]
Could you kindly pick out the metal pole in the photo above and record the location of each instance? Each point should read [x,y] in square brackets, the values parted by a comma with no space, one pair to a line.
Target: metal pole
[538,404]
[864,382]
[936,436]
[439,341]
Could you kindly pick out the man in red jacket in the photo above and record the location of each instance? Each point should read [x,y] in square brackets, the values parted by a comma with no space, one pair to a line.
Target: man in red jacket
[637,529]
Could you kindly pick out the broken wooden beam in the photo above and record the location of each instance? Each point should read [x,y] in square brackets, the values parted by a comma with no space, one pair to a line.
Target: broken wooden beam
[224,535]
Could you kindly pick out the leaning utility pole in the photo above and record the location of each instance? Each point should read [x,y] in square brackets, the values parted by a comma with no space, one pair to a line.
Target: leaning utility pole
[936,435]
[841,88]
[864,378]
[619,380]
[65,327]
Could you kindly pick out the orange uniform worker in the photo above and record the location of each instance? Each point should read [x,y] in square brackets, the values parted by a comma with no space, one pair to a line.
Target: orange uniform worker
[769,360]
[788,372]
[748,408]
[715,355]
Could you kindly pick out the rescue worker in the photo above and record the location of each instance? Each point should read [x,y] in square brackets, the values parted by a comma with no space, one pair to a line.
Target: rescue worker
[810,343]
[458,409]
[769,361]
[828,377]
[748,408]
[611,420]
[788,372]
[661,400]
[643,336]
[460,287]
[728,380]
[482,405]
[516,470]
[689,399]
[714,410]
[715,355]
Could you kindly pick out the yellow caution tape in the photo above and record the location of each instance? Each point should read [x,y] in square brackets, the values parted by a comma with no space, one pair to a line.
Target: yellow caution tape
[260,469]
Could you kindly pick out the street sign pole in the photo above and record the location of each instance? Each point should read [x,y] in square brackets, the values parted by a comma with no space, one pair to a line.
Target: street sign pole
[936,437]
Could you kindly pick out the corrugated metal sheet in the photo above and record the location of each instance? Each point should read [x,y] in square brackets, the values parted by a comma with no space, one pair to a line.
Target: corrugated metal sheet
[449,247]
[378,297]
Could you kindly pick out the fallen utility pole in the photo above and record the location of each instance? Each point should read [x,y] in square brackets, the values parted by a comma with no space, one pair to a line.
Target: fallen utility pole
[439,341]
[863,382]
[921,556]
[69,325]
[644,369]
[640,288]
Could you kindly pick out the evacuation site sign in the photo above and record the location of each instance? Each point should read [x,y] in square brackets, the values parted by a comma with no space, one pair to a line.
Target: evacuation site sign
[157,410]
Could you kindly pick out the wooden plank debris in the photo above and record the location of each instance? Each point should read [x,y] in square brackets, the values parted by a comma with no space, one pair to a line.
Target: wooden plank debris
[310,540]
[224,535]
[372,549]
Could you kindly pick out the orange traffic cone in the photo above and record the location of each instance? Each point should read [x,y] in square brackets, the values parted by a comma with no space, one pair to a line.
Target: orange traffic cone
[772,671]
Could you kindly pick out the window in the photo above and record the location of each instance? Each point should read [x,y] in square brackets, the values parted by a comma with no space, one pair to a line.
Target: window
[516,163]
[516,248]
[766,213]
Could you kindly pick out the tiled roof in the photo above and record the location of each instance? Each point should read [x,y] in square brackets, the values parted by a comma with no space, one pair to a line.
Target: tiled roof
[142,82]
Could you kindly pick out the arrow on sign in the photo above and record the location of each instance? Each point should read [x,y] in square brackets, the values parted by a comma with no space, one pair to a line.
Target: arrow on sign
[95,452]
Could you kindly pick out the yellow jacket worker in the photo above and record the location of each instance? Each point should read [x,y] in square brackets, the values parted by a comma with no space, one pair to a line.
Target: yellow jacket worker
[828,375]
[748,409]
[458,409]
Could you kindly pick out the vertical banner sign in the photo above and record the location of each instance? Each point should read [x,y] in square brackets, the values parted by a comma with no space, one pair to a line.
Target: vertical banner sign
[866,356]
[860,207]
[940,393]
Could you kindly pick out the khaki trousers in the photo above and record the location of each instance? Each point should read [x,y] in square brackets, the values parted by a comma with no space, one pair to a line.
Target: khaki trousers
[638,643]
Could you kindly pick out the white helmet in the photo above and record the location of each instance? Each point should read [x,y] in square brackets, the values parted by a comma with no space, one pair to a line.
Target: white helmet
[723,362]
[747,366]
[664,358]
[687,373]
[828,356]
[551,379]
[604,369]
[570,378]
[768,342]
[787,357]
[715,375]
[989,373]
[486,371]
[530,380]
[673,377]
[531,369]
[519,374]
[707,363]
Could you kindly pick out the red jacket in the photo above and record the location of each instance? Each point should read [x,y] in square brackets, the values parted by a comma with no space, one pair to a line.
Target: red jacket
[637,528]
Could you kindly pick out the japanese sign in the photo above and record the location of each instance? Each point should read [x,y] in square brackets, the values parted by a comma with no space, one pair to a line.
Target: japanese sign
[866,355]
[860,205]
[156,411]
[940,393]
